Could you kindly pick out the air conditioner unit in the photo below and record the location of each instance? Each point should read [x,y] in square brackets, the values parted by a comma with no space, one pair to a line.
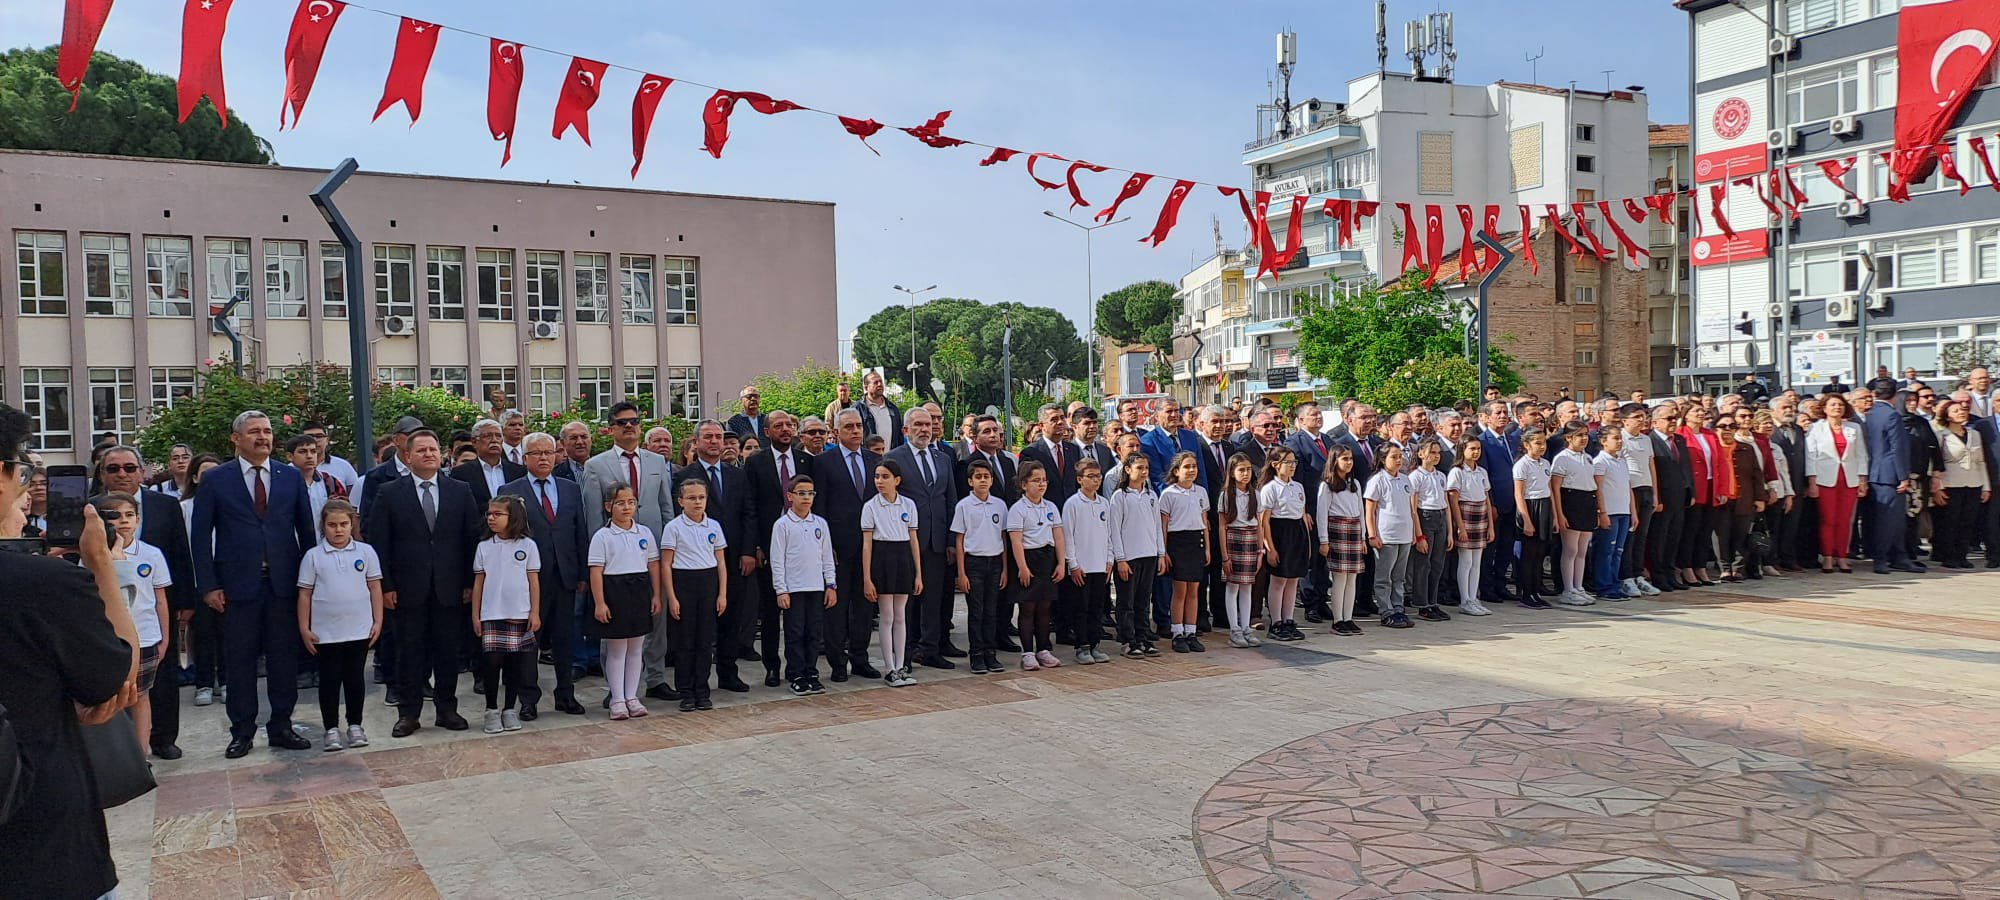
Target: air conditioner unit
[1843,308]
[1782,138]
[398,326]
[1843,126]
[545,331]
[1878,301]
[1775,310]
[1782,45]
[1851,209]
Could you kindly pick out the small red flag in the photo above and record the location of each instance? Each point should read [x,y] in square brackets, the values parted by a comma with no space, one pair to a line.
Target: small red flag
[1948,164]
[202,24]
[1046,185]
[645,102]
[931,132]
[715,116]
[1341,212]
[1633,252]
[1663,205]
[1133,186]
[1580,210]
[1555,222]
[1528,238]
[1170,212]
[1294,233]
[1836,171]
[863,129]
[312,24]
[504,69]
[1636,210]
[1468,258]
[1491,224]
[580,90]
[999,155]
[83,21]
[1433,242]
[1260,231]
[1413,246]
[1069,181]
[415,43]
[1978,145]
[1717,194]
[1751,182]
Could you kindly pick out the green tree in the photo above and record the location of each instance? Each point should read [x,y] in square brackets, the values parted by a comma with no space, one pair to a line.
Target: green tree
[805,392]
[1432,381]
[1142,313]
[1360,342]
[123,110]
[292,398]
[1039,332]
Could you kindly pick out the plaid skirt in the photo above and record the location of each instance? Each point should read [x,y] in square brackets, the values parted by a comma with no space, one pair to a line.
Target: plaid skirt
[1347,551]
[1244,553]
[149,667]
[506,636]
[1477,516]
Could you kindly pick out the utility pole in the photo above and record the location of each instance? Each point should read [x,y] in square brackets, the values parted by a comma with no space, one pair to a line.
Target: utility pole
[913,294]
[1089,303]
[359,379]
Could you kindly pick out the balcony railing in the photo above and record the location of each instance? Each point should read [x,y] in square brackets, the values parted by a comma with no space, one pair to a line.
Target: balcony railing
[1325,122]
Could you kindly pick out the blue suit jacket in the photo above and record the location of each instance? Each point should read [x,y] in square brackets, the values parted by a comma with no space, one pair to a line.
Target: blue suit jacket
[1989,435]
[1496,455]
[1888,445]
[564,543]
[231,544]
[1160,450]
[935,501]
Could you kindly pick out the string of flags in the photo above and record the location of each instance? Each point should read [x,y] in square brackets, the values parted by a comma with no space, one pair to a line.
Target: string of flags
[1423,246]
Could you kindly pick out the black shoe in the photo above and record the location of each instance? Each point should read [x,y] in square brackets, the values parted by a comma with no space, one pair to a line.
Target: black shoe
[405,727]
[392,697]
[817,688]
[1149,649]
[1133,651]
[166,751]
[239,748]
[979,664]
[569,706]
[529,713]
[546,657]
[288,740]
[734,686]
[663,691]
[1366,608]
[452,722]
[771,678]
[1881,569]
[687,704]
[1194,644]
[1313,616]
[378,676]
[1396,620]
[951,651]
[862,669]
[1535,603]
[839,676]
[1346,629]
[937,662]
[1433,614]
[1910,567]
[1181,643]
[993,666]
[704,704]
[1007,646]
[478,687]
[801,687]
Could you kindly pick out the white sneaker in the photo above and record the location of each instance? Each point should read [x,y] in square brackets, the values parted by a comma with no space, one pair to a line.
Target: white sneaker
[1250,637]
[1048,660]
[356,737]
[1028,663]
[1576,598]
[510,720]
[493,724]
[332,743]
[1647,588]
[204,696]
[1474,608]
[1631,587]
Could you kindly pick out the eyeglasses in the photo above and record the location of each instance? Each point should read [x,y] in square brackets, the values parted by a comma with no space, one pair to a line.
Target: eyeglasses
[113,515]
[625,423]
[126,468]
[803,493]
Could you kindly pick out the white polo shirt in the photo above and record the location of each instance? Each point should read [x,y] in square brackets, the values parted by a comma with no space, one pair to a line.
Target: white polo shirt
[984,524]
[623,551]
[890,520]
[1285,499]
[140,574]
[1037,522]
[694,543]
[1391,494]
[339,576]
[507,566]
[1087,532]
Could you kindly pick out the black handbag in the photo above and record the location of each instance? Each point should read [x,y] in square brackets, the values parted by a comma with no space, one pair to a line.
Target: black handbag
[1761,545]
[117,763]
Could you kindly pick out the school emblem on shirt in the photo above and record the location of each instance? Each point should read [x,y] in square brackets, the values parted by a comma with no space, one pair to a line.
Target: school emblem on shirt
[996,518]
[712,537]
[817,534]
[642,543]
[360,566]
[1103,516]
[1052,515]
[906,518]
[520,556]
[145,570]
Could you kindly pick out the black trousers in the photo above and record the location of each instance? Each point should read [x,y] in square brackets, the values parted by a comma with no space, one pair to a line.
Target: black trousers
[1633,564]
[983,622]
[559,636]
[1664,540]
[1094,596]
[1992,532]
[205,640]
[165,697]
[430,636]
[1732,538]
[261,625]
[1698,536]
[1953,527]
[343,667]
[695,631]
[736,628]
[1135,601]
[804,623]
[1499,559]
[847,623]
[1785,531]
[1888,518]
[930,611]
[770,621]
[1213,587]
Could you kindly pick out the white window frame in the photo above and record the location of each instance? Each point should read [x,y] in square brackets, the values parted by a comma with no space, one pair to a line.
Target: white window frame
[1586,357]
[395,272]
[333,291]
[444,283]
[1354,170]
[680,291]
[115,391]
[1798,17]
[1844,78]
[1893,259]
[452,378]
[496,285]
[635,289]
[683,391]
[1586,133]
[42,259]
[228,273]
[643,381]
[1585,295]
[397,376]
[110,254]
[593,287]
[1839,264]
[544,286]
[284,279]
[45,397]
[171,383]
[169,276]
[593,389]
[548,388]
[506,378]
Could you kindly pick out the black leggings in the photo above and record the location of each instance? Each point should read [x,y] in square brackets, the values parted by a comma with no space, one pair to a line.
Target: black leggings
[341,669]
[1135,601]
[509,663]
[1036,601]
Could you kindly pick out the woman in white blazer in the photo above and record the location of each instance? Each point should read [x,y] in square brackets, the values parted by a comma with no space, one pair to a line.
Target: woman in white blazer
[1836,467]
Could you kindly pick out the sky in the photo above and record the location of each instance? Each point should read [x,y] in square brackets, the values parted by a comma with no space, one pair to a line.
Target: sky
[1165,86]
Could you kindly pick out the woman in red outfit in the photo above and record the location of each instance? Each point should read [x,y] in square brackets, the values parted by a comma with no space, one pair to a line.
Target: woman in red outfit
[1836,466]
[1710,468]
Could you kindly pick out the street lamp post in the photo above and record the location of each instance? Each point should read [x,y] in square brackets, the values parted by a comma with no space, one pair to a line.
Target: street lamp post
[1089,303]
[913,294]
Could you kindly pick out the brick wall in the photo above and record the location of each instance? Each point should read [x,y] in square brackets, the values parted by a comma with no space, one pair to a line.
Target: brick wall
[1536,319]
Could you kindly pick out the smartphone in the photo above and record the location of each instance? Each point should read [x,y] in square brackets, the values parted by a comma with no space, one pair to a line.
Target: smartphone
[69,489]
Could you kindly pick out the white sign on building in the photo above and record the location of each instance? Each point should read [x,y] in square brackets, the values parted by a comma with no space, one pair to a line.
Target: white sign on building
[1821,359]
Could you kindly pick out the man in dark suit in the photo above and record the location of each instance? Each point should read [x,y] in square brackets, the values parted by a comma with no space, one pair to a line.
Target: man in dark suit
[930,480]
[487,474]
[395,468]
[732,503]
[160,524]
[1083,425]
[844,481]
[1890,481]
[574,442]
[1217,424]
[986,445]
[1674,491]
[1267,432]
[1497,452]
[770,471]
[1056,454]
[1309,442]
[751,422]
[252,524]
[1989,435]
[425,528]
[555,521]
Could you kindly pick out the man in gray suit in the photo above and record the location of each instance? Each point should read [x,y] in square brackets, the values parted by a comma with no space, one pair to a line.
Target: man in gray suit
[930,480]
[651,478]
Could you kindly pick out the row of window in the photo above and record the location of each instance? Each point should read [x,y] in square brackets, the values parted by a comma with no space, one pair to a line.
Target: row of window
[1811,15]
[1954,256]
[114,401]
[650,289]
[1849,87]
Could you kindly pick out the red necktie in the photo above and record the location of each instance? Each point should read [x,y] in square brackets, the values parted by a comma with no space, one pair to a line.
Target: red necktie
[632,470]
[548,508]
[257,495]
[1062,459]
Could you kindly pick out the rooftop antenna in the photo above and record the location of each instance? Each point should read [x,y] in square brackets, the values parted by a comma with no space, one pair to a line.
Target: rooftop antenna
[1416,38]
[1533,59]
[1430,36]
[1382,37]
[1288,58]
[1215,224]
[1447,48]
[1607,80]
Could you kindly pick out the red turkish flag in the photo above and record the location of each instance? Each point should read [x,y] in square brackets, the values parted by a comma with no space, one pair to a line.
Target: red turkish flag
[715,116]
[1934,75]
[1978,145]
[1795,196]
[1242,200]
[645,102]
[1133,186]
[1069,180]
[1260,231]
[504,69]
[1433,242]
[1756,187]
[1339,211]
[1717,194]
[1413,246]
[931,132]
[1555,222]
[1046,185]
[1294,233]
[1170,212]
[1490,223]
[1663,205]
[202,24]
[1580,210]
[863,129]
[1633,252]
[1948,164]
[1637,211]
[1836,171]
[580,90]
[999,155]
[415,43]
[312,24]
[1468,252]
[1528,238]
[83,21]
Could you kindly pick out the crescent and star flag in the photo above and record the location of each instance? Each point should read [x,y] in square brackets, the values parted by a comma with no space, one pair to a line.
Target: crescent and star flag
[863,129]
[579,93]
[503,92]
[645,102]
[1260,231]
[1046,185]
[1934,75]
[1069,180]
[1637,211]
[83,21]
[1170,212]
[1528,239]
[1490,223]
[715,116]
[999,155]
[1663,205]
[1978,145]
[1716,195]
[1133,186]
[1413,247]
[1836,171]
[1633,252]
[1795,196]
[312,24]
[931,132]
[1468,258]
[1294,233]
[415,43]
[1555,222]
[1581,211]
[1948,164]
[1433,242]
[202,24]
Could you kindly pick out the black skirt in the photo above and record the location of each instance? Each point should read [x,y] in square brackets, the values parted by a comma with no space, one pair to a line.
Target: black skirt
[1288,537]
[630,599]
[891,568]
[1579,510]
[1188,554]
[1539,512]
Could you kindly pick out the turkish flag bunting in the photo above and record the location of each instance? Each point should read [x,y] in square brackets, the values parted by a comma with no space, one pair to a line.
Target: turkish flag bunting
[1663,205]
[1133,186]
[1717,195]
[1637,211]
[1633,252]
[1243,201]
[1836,171]
[312,24]
[1069,180]
[715,116]
[929,132]
[1046,185]
[1342,214]
[1555,222]
[504,69]
[999,155]
[1413,246]
[1260,231]
[863,129]
[83,21]
[202,24]
[645,102]
[1294,233]
[1490,223]
[1433,242]
[1757,187]
[1170,212]
[1795,196]
[1528,238]
[1582,213]
[1978,145]
[1948,164]
[1468,252]
[415,43]
[579,93]
[1934,76]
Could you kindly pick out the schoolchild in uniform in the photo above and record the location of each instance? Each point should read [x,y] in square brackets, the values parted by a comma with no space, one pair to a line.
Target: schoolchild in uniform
[1573,480]
[340,617]
[1243,545]
[1607,548]
[1287,536]
[1471,521]
[624,580]
[890,566]
[1343,540]
[979,526]
[1537,514]
[1086,520]
[1427,567]
[1035,533]
[1184,515]
[697,594]
[1138,543]
[506,607]
[142,574]
[802,575]
[1390,505]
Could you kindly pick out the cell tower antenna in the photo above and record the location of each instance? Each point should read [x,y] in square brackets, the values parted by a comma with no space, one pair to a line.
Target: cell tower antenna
[1533,60]
[1215,224]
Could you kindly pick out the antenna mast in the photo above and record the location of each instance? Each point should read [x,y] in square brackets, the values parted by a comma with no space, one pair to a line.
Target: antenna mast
[1288,58]
[1533,61]
[1381,37]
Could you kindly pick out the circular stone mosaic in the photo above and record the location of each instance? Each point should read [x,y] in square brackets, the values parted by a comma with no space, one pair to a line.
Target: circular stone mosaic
[1648,798]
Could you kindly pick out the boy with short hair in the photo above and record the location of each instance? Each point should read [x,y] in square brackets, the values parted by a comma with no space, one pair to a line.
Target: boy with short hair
[802,575]
[979,526]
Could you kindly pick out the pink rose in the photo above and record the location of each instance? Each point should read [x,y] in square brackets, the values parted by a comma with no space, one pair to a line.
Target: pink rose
[288,418]
[209,361]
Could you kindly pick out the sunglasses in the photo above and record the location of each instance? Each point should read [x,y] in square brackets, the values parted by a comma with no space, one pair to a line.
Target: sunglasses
[120,467]
[625,423]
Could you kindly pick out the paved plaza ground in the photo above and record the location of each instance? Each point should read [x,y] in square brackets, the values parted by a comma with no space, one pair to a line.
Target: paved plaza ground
[1812,736]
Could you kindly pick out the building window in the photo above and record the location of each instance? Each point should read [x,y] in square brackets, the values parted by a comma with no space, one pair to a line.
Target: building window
[43,272]
[285,279]
[1586,357]
[1811,15]
[496,286]
[1824,271]
[1434,162]
[1918,262]
[683,392]
[1586,163]
[1275,305]
[1822,94]
[45,398]
[593,287]
[228,274]
[545,287]
[1586,295]
[114,403]
[1584,329]
[395,280]
[678,294]
[501,378]
[1882,175]
[1354,170]
[547,390]
[397,376]
[1586,133]
[642,386]
[445,277]
[593,388]
[107,275]
[1923,348]
[635,289]
[332,281]
[169,276]
[451,378]
[172,385]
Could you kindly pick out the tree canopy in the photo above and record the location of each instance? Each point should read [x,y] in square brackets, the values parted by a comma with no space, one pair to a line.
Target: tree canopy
[1140,313]
[1363,341]
[971,365]
[123,110]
